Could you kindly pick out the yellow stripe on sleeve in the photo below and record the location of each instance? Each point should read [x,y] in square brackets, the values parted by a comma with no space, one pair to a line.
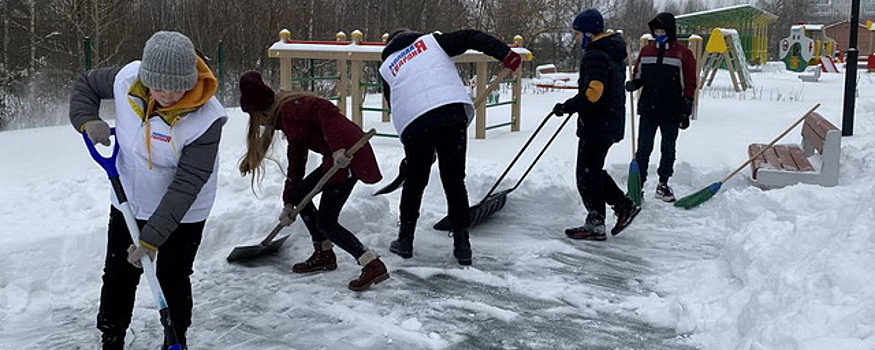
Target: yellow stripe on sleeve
[594,91]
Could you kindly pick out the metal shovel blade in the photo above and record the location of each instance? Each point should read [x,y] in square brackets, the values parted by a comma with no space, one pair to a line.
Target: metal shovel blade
[478,212]
[255,251]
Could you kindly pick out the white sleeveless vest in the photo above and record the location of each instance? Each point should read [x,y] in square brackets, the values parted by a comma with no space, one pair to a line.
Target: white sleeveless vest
[145,187]
[422,77]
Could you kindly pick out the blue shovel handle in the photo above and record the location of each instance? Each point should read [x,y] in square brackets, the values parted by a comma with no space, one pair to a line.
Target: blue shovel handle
[107,163]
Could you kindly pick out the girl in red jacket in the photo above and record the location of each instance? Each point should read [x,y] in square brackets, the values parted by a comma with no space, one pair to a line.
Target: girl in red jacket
[312,123]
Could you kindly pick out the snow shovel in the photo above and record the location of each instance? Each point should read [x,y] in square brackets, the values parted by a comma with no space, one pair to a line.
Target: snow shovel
[402,168]
[693,200]
[268,245]
[494,201]
[108,165]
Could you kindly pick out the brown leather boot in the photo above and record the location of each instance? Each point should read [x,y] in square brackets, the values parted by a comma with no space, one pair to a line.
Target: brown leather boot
[323,259]
[374,272]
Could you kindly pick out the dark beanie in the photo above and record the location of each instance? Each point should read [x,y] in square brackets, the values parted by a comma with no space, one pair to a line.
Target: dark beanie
[589,21]
[254,94]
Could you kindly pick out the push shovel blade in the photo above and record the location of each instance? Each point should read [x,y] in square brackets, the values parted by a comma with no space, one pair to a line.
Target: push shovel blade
[255,251]
[478,212]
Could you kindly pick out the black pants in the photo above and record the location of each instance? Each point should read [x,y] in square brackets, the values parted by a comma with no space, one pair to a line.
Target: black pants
[173,265]
[323,223]
[668,129]
[449,140]
[596,187]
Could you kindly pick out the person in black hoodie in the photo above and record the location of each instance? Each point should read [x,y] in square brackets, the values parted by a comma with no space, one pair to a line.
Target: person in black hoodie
[600,106]
[666,71]
[431,111]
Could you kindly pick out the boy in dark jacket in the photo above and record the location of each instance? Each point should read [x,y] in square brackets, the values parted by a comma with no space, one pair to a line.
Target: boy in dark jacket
[600,108]
[431,111]
[666,71]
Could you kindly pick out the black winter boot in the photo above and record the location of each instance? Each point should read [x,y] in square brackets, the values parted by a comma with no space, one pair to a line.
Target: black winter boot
[403,246]
[462,247]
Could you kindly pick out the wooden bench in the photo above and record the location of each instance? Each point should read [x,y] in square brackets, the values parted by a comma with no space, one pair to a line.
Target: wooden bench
[815,161]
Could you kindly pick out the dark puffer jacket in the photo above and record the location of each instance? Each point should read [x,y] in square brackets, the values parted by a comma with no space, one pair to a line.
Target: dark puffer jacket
[666,73]
[601,101]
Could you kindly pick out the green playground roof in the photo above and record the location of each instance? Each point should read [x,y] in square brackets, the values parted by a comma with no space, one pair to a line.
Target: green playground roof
[732,17]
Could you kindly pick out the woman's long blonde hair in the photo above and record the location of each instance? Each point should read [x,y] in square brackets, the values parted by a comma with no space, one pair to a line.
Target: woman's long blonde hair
[259,138]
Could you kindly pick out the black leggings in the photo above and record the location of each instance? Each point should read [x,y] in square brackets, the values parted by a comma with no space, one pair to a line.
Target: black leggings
[173,266]
[323,223]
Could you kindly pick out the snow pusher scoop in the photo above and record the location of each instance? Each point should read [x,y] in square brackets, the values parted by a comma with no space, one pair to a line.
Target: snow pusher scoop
[268,245]
[494,201]
[108,165]
[402,168]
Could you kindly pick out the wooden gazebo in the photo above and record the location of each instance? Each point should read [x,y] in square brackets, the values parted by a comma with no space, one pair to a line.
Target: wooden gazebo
[751,23]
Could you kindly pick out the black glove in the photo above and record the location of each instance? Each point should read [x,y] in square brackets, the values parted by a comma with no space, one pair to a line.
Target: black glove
[633,85]
[684,122]
[559,110]
[686,111]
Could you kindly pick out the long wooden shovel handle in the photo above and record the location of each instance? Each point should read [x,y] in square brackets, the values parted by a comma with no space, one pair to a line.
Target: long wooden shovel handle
[769,146]
[322,181]
[481,97]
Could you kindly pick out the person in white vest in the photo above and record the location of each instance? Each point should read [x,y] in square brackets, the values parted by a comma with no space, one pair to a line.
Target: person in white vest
[168,125]
[431,111]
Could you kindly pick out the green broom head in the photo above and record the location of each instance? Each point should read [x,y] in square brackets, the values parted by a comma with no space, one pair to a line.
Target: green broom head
[699,197]
[633,186]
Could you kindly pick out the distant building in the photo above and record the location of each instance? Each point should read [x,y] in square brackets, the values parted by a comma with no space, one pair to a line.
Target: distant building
[841,33]
[827,11]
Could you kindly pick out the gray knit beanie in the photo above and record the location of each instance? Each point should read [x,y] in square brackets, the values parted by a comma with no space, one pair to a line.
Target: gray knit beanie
[169,62]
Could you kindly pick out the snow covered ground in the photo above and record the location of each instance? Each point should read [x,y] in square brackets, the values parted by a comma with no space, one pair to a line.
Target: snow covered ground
[788,268]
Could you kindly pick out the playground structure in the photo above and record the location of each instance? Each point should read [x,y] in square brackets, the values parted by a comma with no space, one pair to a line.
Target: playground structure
[806,46]
[750,23]
[724,50]
[351,57]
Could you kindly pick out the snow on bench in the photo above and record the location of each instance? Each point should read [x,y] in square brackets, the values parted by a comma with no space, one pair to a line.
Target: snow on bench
[813,77]
[815,161]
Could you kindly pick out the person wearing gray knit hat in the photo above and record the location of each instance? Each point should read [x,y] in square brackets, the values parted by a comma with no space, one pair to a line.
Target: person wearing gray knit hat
[169,62]
[168,126]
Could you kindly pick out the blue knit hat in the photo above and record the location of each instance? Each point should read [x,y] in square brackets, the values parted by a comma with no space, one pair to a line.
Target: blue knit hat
[589,21]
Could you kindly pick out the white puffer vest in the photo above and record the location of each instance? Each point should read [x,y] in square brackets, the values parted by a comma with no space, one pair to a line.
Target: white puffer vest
[143,186]
[422,77]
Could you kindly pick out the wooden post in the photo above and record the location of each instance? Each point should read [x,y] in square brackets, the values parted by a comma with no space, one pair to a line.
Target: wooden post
[356,91]
[517,91]
[385,104]
[480,111]
[341,84]
[355,83]
[285,64]
[695,45]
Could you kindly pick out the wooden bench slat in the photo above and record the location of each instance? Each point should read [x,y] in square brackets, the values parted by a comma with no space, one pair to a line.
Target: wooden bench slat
[801,160]
[786,159]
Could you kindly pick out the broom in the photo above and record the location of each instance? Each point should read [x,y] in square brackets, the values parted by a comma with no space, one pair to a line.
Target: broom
[706,193]
[633,184]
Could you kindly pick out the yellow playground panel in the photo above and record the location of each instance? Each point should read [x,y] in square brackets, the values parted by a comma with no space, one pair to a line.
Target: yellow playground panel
[724,49]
